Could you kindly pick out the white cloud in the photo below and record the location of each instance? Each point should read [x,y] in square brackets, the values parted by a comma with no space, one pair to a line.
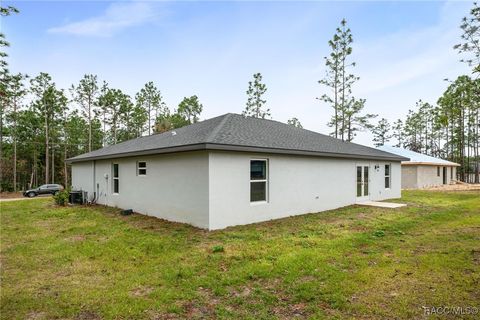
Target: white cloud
[117,17]
[411,54]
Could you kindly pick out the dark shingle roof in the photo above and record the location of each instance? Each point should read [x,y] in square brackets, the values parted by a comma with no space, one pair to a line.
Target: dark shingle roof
[238,133]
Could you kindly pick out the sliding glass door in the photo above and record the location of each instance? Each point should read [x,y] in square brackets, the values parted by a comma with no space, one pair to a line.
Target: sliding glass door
[362,182]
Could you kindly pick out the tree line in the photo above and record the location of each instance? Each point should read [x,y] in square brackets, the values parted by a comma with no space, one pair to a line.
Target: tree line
[42,125]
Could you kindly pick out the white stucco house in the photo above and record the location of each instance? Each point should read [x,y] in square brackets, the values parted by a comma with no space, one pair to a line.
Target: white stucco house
[423,171]
[235,170]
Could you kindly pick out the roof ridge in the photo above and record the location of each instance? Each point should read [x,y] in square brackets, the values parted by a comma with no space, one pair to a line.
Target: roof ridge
[219,126]
[304,129]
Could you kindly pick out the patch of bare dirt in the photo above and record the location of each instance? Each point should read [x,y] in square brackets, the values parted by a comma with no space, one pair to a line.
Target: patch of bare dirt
[36,315]
[152,315]
[476,256]
[291,311]
[141,291]
[245,292]
[76,238]
[308,278]
[10,195]
[87,315]
[361,216]
[194,310]
[208,295]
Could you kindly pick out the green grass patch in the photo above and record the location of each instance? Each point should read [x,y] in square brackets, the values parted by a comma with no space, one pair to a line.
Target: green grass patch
[354,262]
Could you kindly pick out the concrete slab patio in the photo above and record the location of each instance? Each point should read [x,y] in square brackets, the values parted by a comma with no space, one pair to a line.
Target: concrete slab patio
[382,204]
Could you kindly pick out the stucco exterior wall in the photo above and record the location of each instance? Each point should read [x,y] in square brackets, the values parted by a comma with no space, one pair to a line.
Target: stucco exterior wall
[377,184]
[82,176]
[212,189]
[296,185]
[409,177]
[425,176]
[175,187]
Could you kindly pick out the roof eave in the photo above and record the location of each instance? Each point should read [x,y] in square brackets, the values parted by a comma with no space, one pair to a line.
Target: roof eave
[192,147]
[237,148]
[416,163]
[225,147]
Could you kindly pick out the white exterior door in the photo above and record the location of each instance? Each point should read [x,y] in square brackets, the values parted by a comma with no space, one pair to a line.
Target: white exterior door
[362,181]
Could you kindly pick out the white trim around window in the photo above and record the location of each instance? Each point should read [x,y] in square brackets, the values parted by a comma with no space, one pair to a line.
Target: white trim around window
[115,178]
[388,176]
[141,168]
[258,181]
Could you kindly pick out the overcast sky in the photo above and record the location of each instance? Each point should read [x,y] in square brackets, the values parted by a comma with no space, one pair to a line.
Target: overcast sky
[403,50]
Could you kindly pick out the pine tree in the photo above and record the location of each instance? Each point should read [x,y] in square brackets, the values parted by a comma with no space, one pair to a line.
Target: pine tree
[381,132]
[398,133]
[4,77]
[294,122]
[348,117]
[4,12]
[150,99]
[190,108]
[48,101]
[255,102]
[114,103]
[470,38]
[86,95]
[332,80]
[15,93]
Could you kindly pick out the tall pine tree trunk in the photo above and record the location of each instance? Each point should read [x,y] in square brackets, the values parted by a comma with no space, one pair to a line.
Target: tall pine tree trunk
[462,144]
[104,128]
[335,98]
[65,169]
[1,143]
[14,147]
[34,168]
[53,163]
[14,165]
[47,150]
[115,131]
[89,125]
[468,146]
[343,101]
[477,154]
[149,118]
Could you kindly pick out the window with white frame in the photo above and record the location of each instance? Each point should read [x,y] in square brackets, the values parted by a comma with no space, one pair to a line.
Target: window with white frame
[258,180]
[116,180]
[388,176]
[141,168]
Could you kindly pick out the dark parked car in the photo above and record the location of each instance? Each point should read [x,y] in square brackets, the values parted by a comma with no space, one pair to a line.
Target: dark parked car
[43,189]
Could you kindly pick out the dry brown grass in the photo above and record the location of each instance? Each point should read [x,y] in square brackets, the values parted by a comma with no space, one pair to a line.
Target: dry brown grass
[455,187]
